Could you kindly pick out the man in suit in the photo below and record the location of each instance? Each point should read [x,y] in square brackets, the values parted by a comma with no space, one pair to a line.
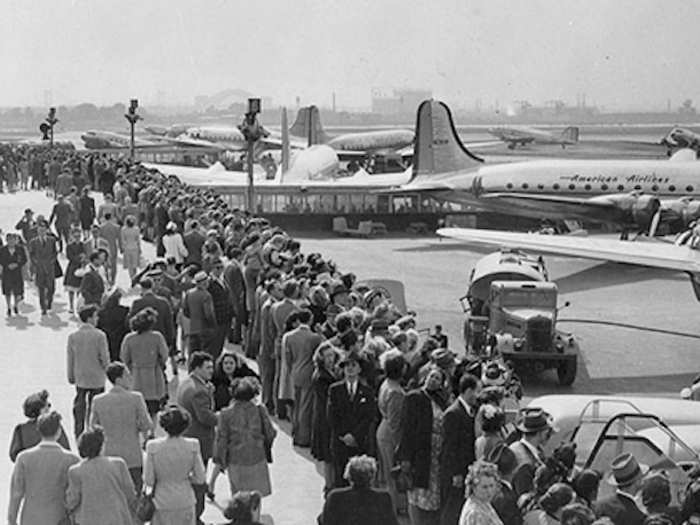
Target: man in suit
[164,323]
[40,478]
[351,410]
[621,507]
[298,347]
[62,216]
[194,240]
[123,415]
[111,232]
[359,503]
[95,242]
[92,287]
[195,394]
[505,502]
[87,359]
[536,430]
[198,307]
[279,312]
[233,275]
[266,356]
[43,253]
[457,448]
[223,307]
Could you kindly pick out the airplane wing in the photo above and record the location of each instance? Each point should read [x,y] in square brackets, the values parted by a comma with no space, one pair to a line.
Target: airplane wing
[185,141]
[650,253]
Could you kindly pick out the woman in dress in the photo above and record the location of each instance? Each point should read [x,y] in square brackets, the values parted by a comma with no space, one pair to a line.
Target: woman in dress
[491,420]
[173,243]
[86,214]
[325,374]
[12,258]
[229,366]
[243,433]
[420,446]
[131,245]
[173,464]
[77,257]
[390,403]
[145,352]
[481,487]
[100,489]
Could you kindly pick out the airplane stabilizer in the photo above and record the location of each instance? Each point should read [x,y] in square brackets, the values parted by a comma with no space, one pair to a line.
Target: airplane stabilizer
[307,125]
[570,134]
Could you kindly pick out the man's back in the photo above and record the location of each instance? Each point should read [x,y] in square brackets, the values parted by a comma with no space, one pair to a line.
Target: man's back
[88,357]
[164,323]
[351,506]
[41,473]
[199,309]
[301,343]
[194,396]
[110,232]
[193,242]
[620,509]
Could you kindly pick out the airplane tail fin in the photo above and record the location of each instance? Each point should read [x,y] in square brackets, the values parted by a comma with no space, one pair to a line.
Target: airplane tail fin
[308,126]
[438,148]
[285,141]
[570,134]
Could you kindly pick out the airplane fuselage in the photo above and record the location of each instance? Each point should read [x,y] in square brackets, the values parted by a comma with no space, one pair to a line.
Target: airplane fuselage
[372,140]
[107,140]
[525,135]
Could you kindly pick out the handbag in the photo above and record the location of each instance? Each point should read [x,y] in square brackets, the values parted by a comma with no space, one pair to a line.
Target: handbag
[145,507]
[267,439]
[57,270]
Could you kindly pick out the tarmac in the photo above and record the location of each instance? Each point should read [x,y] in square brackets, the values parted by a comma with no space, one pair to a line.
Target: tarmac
[434,273]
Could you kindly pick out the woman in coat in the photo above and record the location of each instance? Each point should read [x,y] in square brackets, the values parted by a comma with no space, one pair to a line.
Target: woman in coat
[112,319]
[77,257]
[173,465]
[325,374]
[12,258]
[145,352]
[173,244]
[26,435]
[87,211]
[420,446]
[390,403]
[100,489]
[131,245]
[243,434]
[228,367]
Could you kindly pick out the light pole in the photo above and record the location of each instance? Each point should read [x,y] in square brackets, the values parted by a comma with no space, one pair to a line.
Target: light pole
[133,118]
[252,131]
[51,120]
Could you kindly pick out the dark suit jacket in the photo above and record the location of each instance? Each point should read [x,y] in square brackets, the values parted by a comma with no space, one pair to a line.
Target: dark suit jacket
[351,415]
[164,324]
[193,242]
[44,255]
[92,287]
[233,275]
[505,503]
[457,442]
[358,506]
[416,433]
[222,301]
[197,398]
[621,509]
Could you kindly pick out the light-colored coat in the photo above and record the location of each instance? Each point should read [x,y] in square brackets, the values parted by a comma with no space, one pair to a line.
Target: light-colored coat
[146,354]
[298,347]
[40,478]
[196,396]
[173,465]
[100,491]
[174,247]
[87,357]
[198,307]
[122,414]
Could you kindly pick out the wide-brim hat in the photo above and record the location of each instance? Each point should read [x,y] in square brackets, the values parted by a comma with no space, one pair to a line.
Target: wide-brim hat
[626,470]
[534,420]
[199,277]
[442,357]
[350,357]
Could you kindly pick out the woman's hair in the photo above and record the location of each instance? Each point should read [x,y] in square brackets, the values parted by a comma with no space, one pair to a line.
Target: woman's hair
[394,366]
[577,514]
[219,363]
[321,351]
[557,496]
[241,507]
[113,298]
[656,491]
[477,470]
[360,471]
[90,442]
[585,483]
[492,418]
[174,420]
[35,403]
[130,221]
[144,320]
[244,389]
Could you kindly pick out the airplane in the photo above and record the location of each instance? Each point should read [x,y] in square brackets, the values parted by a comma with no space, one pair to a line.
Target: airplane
[307,127]
[681,138]
[655,254]
[96,139]
[514,135]
[226,138]
[634,194]
[172,131]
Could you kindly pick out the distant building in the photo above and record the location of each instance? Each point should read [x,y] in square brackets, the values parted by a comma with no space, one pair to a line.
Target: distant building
[398,101]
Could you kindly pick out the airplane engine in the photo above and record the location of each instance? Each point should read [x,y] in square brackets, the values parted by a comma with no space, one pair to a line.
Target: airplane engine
[678,214]
[643,210]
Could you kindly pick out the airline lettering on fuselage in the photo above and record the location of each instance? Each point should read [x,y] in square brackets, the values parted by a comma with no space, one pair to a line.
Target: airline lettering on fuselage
[631,179]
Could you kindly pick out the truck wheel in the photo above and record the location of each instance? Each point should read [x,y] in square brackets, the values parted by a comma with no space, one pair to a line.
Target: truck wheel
[566,372]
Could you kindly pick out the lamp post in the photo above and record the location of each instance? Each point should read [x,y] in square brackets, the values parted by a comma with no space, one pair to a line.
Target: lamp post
[252,131]
[51,120]
[133,118]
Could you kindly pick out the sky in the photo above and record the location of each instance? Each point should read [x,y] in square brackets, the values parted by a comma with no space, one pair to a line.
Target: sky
[620,53]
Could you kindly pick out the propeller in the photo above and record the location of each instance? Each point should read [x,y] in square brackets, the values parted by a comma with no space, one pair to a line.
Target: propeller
[654,225]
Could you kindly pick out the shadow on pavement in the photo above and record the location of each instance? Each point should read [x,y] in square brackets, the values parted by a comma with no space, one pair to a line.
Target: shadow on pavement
[19,322]
[52,321]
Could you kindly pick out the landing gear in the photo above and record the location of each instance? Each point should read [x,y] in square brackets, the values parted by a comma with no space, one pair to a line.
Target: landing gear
[566,371]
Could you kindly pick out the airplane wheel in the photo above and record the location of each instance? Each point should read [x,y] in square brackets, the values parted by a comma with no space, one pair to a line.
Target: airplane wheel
[566,372]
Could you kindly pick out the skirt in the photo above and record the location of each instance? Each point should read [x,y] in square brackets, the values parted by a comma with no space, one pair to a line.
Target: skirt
[250,477]
[131,259]
[174,517]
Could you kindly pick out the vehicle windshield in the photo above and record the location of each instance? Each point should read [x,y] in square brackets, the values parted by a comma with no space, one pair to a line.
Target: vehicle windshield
[528,298]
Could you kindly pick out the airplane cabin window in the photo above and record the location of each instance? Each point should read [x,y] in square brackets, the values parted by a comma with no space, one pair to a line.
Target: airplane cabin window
[509,186]
[572,186]
[540,186]
[525,185]
[555,186]
[620,187]
[671,188]
[654,188]
[638,187]
[604,187]
[587,187]
[688,188]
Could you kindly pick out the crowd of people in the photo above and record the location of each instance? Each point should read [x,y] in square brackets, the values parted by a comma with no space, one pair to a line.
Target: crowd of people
[403,427]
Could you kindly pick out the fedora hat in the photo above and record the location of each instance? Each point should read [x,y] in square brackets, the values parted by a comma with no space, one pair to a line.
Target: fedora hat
[534,420]
[200,276]
[626,470]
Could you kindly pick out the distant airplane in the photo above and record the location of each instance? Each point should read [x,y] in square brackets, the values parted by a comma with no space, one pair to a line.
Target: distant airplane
[308,130]
[514,135]
[634,194]
[108,140]
[651,253]
[172,131]
[227,138]
[681,138]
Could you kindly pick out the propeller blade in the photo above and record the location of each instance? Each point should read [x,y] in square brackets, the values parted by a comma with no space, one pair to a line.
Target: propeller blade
[655,220]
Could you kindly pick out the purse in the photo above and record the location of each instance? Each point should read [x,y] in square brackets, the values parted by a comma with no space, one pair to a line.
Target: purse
[57,270]
[267,439]
[145,507]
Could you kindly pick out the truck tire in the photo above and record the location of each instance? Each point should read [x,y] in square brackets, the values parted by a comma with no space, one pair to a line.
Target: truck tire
[566,372]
